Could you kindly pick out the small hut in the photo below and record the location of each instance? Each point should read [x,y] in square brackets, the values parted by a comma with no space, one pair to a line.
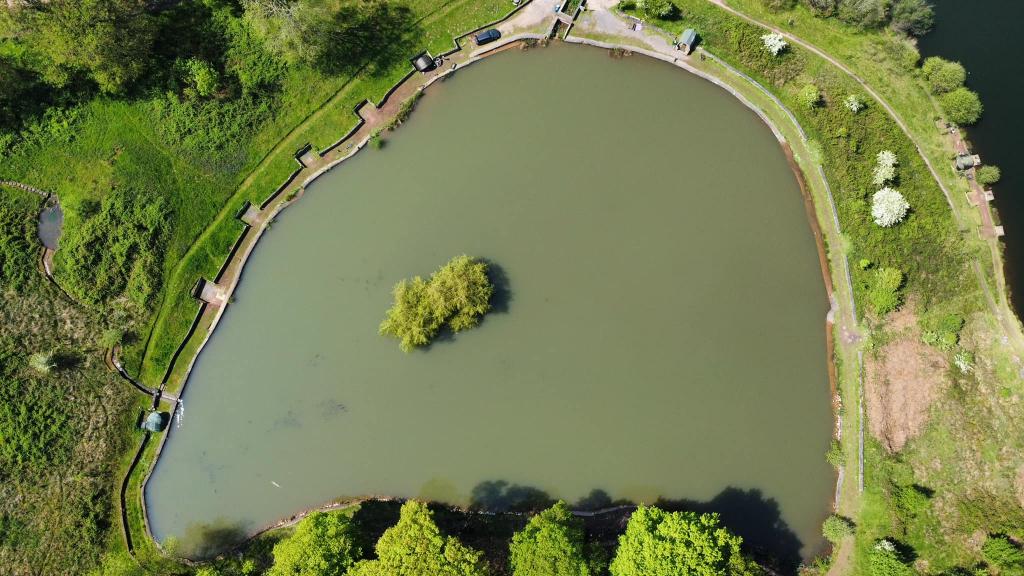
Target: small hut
[687,40]
[424,62]
[154,422]
[967,161]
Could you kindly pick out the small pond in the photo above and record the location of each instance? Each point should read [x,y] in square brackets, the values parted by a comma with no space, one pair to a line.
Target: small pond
[51,221]
[658,331]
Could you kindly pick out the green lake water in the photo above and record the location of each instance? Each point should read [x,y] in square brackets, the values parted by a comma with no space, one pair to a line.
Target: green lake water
[658,332]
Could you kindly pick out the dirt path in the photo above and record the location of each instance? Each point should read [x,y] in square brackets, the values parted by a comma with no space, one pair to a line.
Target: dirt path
[892,112]
[1000,309]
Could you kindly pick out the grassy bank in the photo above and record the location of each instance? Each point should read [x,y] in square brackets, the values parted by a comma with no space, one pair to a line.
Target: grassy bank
[950,481]
[438,23]
[65,420]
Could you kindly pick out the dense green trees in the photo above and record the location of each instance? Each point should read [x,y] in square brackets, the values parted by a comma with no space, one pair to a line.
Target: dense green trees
[962,106]
[659,543]
[457,294]
[299,31]
[109,40]
[942,75]
[912,17]
[552,544]
[322,545]
[416,547]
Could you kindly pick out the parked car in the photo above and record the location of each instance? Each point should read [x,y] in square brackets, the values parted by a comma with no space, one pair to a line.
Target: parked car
[486,36]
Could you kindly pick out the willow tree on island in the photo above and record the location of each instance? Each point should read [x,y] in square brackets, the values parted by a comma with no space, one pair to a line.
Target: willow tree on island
[457,294]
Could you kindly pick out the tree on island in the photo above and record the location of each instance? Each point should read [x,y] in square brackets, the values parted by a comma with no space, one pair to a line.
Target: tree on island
[457,294]
[551,544]
[659,543]
[323,544]
[416,547]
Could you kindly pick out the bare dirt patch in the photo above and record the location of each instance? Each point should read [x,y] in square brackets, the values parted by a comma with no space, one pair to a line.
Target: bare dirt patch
[901,381]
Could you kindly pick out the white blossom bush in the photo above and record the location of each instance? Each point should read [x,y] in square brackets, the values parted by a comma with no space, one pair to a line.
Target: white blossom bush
[885,170]
[888,207]
[886,545]
[853,103]
[963,362]
[774,43]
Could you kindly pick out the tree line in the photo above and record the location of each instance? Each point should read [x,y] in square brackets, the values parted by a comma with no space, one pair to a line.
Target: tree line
[911,17]
[553,543]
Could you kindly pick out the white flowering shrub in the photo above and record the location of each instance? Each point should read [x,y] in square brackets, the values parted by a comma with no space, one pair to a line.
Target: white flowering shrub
[853,103]
[888,207]
[885,170]
[963,362]
[774,43]
[886,545]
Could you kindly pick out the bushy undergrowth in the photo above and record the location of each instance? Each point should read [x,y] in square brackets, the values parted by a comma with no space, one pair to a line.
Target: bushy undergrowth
[117,250]
[17,230]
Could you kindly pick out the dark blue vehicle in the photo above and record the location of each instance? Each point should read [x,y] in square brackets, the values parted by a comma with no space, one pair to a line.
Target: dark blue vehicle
[486,36]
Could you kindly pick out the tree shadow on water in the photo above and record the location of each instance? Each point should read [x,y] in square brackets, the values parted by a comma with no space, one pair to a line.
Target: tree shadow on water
[501,299]
[747,513]
[502,496]
[206,540]
[756,518]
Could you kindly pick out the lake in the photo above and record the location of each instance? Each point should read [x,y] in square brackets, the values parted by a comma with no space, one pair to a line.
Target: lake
[658,331]
[990,50]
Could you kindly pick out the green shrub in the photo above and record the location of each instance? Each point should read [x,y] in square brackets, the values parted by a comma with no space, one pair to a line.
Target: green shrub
[911,501]
[988,175]
[962,106]
[837,527]
[835,454]
[809,96]
[1005,555]
[884,293]
[943,333]
[202,78]
[457,294]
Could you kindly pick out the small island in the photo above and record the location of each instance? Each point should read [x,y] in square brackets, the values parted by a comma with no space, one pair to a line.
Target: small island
[456,296]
